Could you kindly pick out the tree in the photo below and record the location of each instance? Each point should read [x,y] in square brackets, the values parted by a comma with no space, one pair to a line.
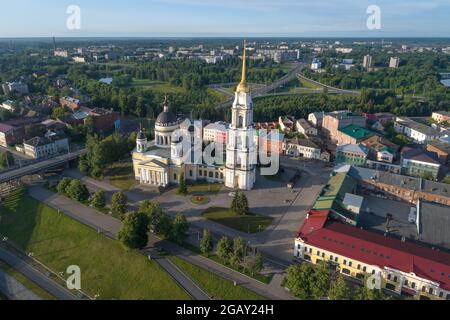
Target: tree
[154,212]
[98,200]
[77,191]
[6,160]
[239,204]
[119,204]
[224,249]
[339,290]
[321,280]
[206,244]
[62,185]
[165,226]
[134,233]
[239,252]
[364,293]
[83,164]
[299,280]
[253,263]
[182,188]
[180,228]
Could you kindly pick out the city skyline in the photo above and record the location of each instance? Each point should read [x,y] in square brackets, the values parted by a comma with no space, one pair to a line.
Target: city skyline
[199,18]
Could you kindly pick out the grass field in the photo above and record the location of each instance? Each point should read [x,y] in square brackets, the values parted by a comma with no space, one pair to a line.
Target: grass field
[27,283]
[157,86]
[120,175]
[204,188]
[215,286]
[309,84]
[106,268]
[251,223]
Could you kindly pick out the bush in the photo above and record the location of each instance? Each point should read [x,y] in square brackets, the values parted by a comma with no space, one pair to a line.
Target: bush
[63,185]
[119,204]
[77,191]
[98,200]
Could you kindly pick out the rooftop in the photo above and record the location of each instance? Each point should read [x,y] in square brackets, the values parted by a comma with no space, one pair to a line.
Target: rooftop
[417,126]
[434,223]
[356,132]
[303,142]
[352,148]
[375,249]
[418,154]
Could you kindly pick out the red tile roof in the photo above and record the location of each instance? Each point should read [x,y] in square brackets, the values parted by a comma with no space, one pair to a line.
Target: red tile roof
[376,249]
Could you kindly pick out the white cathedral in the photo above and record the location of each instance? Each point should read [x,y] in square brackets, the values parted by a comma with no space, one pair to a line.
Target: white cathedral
[161,162]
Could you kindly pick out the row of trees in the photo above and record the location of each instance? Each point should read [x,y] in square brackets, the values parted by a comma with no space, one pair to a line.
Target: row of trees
[74,189]
[104,152]
[315,282]
[151,216]
[299,106]
[234,253]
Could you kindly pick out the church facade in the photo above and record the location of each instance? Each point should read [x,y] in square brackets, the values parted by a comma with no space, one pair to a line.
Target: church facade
[178,144]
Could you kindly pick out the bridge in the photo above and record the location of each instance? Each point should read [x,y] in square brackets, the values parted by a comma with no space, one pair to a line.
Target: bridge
[40,166]
[265,90]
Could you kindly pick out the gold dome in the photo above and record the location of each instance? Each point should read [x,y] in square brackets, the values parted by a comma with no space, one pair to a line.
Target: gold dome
[243,86]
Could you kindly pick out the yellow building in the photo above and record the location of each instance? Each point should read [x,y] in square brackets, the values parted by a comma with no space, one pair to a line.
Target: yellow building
[400,267]
[162,162]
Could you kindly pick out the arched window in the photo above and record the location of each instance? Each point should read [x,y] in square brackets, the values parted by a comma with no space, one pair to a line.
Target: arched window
[211,174]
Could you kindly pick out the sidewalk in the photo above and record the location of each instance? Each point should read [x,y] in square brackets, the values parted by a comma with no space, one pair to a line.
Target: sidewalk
[273,291]
[110,227]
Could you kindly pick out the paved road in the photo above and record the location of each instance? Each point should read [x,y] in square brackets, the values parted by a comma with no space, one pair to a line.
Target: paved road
[179,276]
[37,277]
[110,227]
[37,167]
[14,290]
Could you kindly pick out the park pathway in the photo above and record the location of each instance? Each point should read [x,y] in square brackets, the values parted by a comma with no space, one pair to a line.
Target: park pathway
[110,227]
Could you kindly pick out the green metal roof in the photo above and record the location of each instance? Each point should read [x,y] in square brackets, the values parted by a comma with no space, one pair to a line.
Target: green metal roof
[356,132]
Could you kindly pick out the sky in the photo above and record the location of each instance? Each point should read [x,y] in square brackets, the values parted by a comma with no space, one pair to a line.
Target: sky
[225,18]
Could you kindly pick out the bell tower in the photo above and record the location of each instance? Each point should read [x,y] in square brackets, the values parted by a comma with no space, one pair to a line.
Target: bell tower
[241,151]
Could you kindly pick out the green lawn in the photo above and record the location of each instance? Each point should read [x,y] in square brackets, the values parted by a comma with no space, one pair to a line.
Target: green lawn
[251,223]
[106,268]
[204,187]
[215,286]
[121,176]
[157,86]
[309,84]
[27,283]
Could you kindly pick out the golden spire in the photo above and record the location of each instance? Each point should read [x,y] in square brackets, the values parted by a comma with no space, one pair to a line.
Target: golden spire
[243,87]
